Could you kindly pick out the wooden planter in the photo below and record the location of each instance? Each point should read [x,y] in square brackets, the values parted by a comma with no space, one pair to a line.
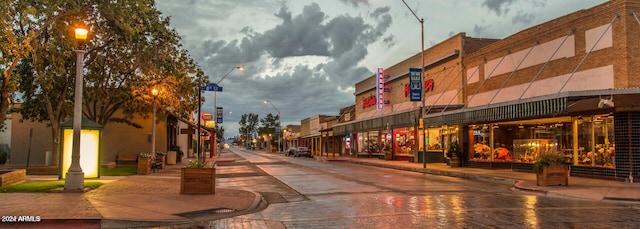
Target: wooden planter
[198,181]
[553,175]
[144,166]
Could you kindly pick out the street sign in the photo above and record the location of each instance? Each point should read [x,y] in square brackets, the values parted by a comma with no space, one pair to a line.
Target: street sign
[219,114]
[415,83]
[211,87]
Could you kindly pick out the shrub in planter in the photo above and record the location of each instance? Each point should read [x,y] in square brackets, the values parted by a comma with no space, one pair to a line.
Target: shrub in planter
[550,169]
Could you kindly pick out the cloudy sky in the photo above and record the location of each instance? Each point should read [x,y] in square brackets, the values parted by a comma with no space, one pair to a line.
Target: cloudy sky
[305,56]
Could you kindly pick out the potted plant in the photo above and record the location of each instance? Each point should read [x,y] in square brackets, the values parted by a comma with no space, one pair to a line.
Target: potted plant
[144,163]
[197,178]
[550,169]
[454,154]
[386,149]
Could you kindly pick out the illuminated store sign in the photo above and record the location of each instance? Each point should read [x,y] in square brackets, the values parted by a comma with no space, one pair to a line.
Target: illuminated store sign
[380,88]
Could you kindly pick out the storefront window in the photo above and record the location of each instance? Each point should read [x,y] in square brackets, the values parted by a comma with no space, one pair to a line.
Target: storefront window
[449,134]
[520,141]
[404,140]
[596,142]
[434,139]
[481,142]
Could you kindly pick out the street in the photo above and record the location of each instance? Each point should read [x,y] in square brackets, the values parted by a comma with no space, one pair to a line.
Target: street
[307,193]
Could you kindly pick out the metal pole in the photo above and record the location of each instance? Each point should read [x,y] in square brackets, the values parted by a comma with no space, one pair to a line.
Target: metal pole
[215,121]
[75,177]
[424,125]
[199,114]
[153,128]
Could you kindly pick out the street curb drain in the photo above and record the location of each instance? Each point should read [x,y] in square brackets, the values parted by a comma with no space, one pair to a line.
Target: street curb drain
[206,212]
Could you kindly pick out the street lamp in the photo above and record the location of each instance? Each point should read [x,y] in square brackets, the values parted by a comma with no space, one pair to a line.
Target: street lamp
[279,120]
[424,135]
[75,177]
[215,107]
[215,92]
[154,93]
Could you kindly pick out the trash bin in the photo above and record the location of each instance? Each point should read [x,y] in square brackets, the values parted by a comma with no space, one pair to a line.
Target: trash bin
[171,157]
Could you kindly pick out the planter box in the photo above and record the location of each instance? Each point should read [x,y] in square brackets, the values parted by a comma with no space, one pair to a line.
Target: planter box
[553,175]
[198,181]
[9,177]
[144,166]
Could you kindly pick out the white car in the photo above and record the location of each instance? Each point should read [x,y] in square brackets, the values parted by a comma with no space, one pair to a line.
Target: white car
[290,152]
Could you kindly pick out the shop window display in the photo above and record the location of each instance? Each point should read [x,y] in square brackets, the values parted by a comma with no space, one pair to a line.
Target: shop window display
[481,149]
[596,142]
[528,150]
[404,141]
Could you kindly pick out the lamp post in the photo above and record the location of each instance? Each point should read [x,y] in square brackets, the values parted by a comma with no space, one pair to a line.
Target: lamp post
[75,177]
[154,93]
[215,104]
[424,135]
[274,107]
[215,92]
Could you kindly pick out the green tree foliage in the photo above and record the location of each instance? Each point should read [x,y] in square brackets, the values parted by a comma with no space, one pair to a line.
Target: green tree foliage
[22,22]
[269,124]
[130,51]
[248,124]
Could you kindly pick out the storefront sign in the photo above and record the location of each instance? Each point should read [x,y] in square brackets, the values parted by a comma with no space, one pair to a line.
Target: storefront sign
[380,88]
[369,101]
[427,85]
[415,87]
[219,114]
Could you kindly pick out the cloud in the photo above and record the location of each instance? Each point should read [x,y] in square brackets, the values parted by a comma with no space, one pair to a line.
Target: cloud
[306,63]
[356,2]
[523,18]
[497,6]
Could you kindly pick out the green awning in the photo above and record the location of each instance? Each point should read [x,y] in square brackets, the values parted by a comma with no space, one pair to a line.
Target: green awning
[501,112]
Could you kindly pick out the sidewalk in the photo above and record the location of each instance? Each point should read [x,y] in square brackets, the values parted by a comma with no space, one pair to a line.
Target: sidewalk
[133,201]
[579,187]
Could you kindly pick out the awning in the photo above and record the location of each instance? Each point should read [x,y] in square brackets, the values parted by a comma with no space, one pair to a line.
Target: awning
[393,120]
[191,124]
[311,135]
[537,107]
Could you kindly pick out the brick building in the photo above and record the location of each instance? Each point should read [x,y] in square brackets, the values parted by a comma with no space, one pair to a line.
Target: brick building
[565,86]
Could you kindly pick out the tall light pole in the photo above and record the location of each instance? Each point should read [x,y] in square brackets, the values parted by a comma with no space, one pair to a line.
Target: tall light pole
[215,92]
[75,177]
[154,93]
[422,114]
[215,103]
[279,120]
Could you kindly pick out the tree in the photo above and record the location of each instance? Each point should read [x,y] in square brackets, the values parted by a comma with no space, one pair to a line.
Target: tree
[248,124]
[23,21]
[220,133]
[269,123]
[130,51]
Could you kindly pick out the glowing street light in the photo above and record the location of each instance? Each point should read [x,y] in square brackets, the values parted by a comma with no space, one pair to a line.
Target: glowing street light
[274,107]
[154,93]
[75,177]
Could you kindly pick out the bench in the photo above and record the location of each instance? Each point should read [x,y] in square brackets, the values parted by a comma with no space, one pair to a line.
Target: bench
[127,158]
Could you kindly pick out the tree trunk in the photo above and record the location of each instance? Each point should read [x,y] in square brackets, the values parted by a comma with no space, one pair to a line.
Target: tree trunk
[55,142]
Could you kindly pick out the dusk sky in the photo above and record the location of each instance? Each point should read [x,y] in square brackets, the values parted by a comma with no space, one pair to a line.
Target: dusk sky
[306,56]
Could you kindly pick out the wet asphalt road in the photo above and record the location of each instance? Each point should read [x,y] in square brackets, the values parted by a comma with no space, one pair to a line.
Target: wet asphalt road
[306,193]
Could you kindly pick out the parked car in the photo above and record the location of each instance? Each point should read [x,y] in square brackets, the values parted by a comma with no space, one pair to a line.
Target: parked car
[303,152]
[290,152]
